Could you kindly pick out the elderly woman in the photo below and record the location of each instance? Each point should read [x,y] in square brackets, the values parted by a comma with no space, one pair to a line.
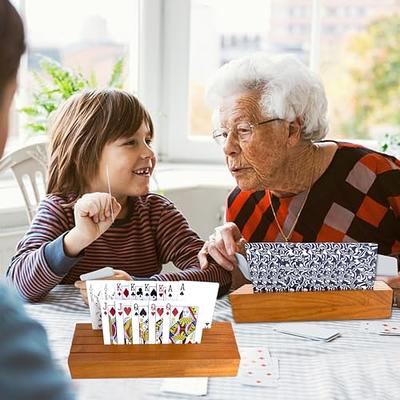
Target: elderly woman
[270,116]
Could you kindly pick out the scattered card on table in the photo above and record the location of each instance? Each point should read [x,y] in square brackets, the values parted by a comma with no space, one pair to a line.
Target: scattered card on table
[190,386]
[258,368]
[384,328]
[307,331]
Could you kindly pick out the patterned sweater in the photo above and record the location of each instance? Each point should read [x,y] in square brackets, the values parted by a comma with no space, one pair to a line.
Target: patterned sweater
[357,199]
[154,232]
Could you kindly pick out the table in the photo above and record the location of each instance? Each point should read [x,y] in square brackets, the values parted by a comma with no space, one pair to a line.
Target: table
[357,365]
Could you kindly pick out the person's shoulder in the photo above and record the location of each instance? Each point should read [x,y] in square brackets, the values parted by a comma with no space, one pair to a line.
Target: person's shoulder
[374,160]
[58,200]
[56,206]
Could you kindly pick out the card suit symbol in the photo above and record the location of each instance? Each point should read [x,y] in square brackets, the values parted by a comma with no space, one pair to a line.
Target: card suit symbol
[153,292]
[207,324]
[143,313]
[127,310]
[112,311]
[250,373]
[136,313]
[119,312]
[160,311]
[126,292]
[174,312]
[182,293]
[153,313]
[105,312]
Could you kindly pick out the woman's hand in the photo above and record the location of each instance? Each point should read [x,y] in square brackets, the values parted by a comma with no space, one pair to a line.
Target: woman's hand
[93,217]
[119,275]
[222,246]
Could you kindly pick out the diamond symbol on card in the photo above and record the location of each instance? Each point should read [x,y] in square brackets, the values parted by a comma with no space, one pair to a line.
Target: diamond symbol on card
[126,292]
[112,311]
[174,312]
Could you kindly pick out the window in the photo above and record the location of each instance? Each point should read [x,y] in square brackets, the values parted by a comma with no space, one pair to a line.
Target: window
[89,37]
[323,33]
[353,45]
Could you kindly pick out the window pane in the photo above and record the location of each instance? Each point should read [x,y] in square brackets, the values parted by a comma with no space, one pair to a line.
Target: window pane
[360,58]
[88,37]
[222,30]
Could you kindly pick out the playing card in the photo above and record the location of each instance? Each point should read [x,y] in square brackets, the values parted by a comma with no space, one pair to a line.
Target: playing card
[385,328]
[124,321]
[142,308]
[150,291]
[156,321]
[139,291]
[109,322]
[122,290]
[265,374]
[190,386]
[307,331]
[183,320]
[95,291]
[172,290]
[202,294]
[257,367]
[161,290]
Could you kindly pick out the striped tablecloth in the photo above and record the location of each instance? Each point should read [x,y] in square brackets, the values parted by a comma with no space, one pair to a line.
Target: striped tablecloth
[357,365]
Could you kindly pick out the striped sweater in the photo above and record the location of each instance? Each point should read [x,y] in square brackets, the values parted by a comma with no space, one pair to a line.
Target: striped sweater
[153,233]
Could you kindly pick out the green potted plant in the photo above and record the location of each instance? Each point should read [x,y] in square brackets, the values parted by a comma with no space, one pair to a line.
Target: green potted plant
[54,84]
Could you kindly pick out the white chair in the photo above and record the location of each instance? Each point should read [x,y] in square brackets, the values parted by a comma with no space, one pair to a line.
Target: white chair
[29,166]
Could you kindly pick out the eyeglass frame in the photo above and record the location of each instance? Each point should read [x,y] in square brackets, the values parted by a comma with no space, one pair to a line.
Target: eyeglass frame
[215,137]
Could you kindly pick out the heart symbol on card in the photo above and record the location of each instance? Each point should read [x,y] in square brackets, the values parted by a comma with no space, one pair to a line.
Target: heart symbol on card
[119,312]
[160,311]
[127,310]
[153,313]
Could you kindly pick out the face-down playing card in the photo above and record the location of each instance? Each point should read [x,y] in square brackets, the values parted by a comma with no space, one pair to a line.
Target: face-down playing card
[311,266]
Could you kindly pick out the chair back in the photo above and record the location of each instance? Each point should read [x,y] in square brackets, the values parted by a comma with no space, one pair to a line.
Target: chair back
[29,166]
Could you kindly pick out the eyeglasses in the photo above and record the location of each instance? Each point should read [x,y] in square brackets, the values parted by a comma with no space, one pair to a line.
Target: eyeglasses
[244,130]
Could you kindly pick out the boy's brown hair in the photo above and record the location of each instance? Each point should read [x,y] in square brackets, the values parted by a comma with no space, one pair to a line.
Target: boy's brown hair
[81,128]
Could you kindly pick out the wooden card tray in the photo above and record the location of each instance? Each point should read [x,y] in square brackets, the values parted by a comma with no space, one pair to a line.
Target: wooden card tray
[311,306]
[216,355]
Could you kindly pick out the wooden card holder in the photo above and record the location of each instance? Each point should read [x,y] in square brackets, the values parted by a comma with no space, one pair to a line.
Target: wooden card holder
[216,355]
[311,306]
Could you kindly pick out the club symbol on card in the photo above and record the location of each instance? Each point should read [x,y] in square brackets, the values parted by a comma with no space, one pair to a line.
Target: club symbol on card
[139,293]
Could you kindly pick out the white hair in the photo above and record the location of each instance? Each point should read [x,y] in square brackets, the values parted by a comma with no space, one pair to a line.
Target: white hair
[288,90]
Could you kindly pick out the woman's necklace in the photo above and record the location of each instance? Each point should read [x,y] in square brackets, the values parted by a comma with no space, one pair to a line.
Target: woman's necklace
[287,237]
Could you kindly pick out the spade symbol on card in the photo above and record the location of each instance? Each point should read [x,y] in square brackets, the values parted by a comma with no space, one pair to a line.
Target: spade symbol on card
[182,290]
[153,294]
[143,313]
